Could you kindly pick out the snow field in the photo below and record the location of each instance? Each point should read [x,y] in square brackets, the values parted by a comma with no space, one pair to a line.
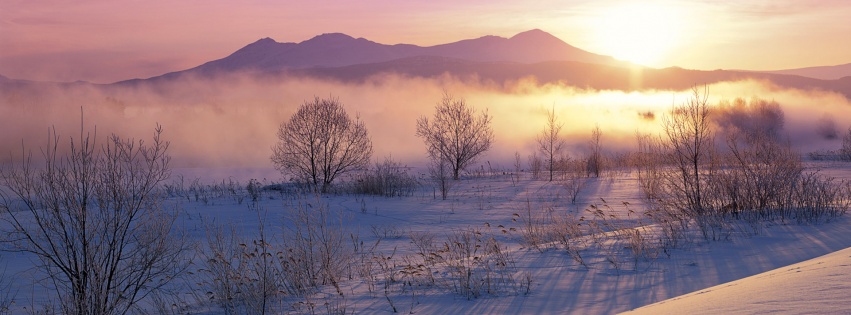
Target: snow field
[536,280]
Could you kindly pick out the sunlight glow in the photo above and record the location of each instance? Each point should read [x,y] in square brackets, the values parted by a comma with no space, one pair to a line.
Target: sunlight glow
[643,33]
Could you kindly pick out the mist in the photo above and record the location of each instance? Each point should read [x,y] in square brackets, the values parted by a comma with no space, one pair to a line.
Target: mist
[232,122]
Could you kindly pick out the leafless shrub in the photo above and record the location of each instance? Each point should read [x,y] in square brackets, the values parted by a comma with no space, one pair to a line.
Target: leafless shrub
[765,181]
[95,222]
[254,189]
[816,198]
[387,178]
[649,163]
[573,177]
[759,178]
[535,165]
[760,175]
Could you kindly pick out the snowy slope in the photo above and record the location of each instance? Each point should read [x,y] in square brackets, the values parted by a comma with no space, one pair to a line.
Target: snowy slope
[819,285]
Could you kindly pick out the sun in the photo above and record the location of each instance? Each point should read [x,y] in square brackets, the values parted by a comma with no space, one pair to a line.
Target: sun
[643,33]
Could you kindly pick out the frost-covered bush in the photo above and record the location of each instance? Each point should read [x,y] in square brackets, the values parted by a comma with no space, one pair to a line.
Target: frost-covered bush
[388,178]
[756,178]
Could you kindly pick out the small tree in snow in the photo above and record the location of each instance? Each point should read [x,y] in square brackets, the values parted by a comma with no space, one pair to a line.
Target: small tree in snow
[595,159]
[550,142]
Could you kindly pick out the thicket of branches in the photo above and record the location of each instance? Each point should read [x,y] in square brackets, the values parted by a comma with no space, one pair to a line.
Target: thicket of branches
[756,177]
[388,178]
[94,220]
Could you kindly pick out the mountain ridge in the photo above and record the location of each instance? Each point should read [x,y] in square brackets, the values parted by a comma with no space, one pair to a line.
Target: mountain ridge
[572,73]
[819,72]
[339,49]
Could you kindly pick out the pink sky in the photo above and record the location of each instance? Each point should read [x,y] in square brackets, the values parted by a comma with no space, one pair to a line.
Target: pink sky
[107,41]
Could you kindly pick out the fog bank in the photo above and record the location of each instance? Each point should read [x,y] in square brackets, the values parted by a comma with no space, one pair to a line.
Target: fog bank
[232,122]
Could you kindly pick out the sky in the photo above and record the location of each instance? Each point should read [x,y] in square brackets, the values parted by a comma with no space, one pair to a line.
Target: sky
[106,41]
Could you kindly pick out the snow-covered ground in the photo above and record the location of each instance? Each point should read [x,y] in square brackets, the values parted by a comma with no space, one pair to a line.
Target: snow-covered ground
[816,286]
[492,204]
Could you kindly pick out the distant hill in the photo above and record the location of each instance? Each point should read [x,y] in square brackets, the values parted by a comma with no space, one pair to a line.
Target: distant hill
[338,50]
[823,72]
[579,74]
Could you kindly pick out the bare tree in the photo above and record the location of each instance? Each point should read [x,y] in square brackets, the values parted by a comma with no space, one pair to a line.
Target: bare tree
[690,144]
[455,134]
[439,172]
[550,142]
[320,142]
[95,221]
[595,158]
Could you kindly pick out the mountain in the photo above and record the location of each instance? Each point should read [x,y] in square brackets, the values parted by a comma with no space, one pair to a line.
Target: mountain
[579,74]
[824,72]
[339,50]
[533,54]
